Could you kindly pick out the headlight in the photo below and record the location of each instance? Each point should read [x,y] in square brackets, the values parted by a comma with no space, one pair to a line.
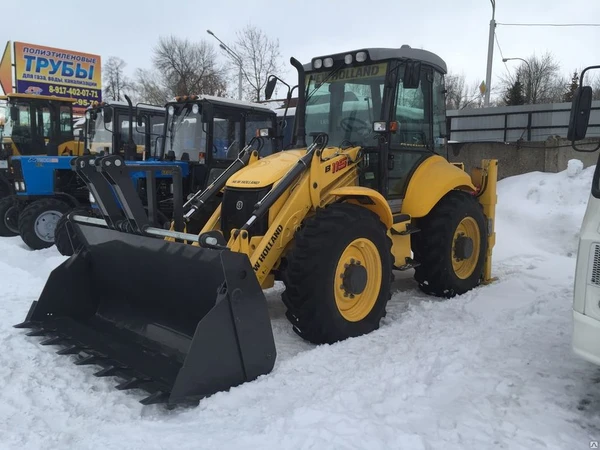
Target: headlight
[195,108]
[91,198]
[171,110]
[318,63]
[361,56]
[328,62]
[348,59]
[16,185]
[22,185]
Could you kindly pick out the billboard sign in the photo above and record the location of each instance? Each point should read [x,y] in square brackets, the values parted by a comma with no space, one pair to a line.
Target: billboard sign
[44,70]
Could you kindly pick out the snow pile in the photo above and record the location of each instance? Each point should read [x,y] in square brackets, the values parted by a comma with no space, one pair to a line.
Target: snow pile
[490,369]
[542,212]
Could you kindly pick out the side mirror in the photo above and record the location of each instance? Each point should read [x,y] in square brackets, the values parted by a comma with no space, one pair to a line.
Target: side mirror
[14,113]
[580,113]
[207,112]
[140,121]
[412,75]
[107,113]
[270,87]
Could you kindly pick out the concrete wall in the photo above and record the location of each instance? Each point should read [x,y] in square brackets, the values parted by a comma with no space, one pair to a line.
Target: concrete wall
[551,155]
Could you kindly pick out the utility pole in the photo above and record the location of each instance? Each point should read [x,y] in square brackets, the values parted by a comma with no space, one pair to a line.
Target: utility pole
[235,57]
[490,58]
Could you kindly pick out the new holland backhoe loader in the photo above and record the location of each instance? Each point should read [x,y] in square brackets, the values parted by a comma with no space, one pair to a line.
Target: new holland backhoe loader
[332,219]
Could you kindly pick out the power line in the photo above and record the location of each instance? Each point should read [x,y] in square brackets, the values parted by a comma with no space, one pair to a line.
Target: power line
[500,49]
[550,24]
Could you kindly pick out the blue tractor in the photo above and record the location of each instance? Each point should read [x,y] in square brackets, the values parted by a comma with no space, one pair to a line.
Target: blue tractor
[47,187]
[202,136]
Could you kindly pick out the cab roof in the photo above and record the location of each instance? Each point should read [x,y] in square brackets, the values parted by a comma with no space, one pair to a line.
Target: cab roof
[126,105]
[379,54]
[223,101]
[37,97]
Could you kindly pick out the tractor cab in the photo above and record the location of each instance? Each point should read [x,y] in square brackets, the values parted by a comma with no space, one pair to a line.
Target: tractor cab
[209,132]
[112,125]
[390,102]
[34,125]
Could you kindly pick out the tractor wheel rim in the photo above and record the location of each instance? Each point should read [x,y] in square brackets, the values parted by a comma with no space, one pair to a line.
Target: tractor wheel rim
[11,219]
[357,280]
[45,225]
[465,248]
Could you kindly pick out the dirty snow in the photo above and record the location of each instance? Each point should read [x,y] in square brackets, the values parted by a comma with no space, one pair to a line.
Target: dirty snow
[490,369]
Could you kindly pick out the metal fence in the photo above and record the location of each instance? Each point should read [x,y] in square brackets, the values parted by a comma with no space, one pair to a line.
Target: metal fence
[514,123]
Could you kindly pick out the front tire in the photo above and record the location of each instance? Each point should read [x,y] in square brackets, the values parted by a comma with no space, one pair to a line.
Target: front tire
[451,246]
[338,274]
[9,216]
[37,222]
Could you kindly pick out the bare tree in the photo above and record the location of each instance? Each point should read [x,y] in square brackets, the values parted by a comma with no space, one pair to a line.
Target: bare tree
[151,87]
[593,80]
[260,57]
[180,67]
[540,77]
[188,68]
[459,95]
[115,83]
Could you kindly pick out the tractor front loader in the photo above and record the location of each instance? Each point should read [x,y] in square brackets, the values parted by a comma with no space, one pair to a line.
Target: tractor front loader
[332,221]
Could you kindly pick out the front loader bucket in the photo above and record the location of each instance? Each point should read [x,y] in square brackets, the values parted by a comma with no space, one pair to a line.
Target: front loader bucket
[179,321]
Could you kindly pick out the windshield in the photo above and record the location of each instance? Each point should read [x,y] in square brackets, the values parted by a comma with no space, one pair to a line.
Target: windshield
[184,132]
[344,102]
[5,122]
[99,133]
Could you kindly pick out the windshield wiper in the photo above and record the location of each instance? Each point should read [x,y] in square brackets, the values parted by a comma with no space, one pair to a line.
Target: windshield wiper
[332,73]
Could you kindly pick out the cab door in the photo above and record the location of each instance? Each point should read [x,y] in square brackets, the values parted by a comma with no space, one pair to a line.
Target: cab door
[420,113]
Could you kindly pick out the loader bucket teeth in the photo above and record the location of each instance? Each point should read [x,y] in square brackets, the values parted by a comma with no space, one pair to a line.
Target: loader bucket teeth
[134,383]
[110,371]
[73,350]
[53,341]
[178,321]
[157,397]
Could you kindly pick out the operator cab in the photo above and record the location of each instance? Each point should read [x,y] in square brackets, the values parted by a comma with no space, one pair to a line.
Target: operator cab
[109,124]
[37,125]
[391,102]
[210,131]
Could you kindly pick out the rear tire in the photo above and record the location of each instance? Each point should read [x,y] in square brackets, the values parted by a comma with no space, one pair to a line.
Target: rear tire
[445,269]
[65,238]
[37,222]
[338,274]
[9,216]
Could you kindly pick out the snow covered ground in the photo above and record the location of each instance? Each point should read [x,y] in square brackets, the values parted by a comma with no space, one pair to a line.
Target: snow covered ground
[490,369]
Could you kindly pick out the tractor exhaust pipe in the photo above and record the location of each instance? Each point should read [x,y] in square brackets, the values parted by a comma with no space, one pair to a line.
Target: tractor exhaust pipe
[301,107]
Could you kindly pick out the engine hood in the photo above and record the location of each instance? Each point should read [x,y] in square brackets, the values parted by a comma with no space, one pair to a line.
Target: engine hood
[265,171]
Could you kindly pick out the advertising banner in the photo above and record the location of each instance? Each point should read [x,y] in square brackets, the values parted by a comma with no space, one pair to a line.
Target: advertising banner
[63,73]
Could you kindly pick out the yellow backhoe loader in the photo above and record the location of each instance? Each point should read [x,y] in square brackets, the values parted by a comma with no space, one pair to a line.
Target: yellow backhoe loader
[183,315]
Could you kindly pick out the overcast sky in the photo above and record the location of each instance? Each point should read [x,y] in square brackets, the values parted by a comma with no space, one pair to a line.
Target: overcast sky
[457,30]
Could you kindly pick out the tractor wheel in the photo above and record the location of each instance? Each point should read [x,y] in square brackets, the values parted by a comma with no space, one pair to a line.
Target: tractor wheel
[451,246]
[9,216]
[65,238]
[338,274]
[38,220]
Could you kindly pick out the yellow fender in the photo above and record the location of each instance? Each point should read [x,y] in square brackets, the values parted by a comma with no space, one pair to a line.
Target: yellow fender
[378,203]
[433,179]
